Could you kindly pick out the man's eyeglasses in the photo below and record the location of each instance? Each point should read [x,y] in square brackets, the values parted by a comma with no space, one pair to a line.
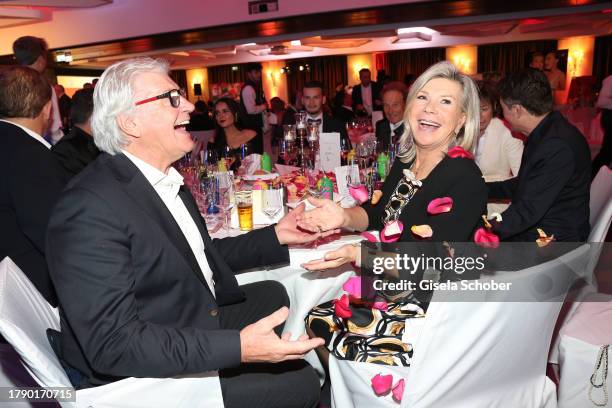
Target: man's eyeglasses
[174,95]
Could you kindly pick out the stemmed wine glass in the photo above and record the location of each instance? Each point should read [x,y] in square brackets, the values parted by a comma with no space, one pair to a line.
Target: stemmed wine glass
[273,202]
[226,194]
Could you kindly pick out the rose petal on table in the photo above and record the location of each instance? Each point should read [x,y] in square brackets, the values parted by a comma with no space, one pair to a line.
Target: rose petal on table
[376,195]
[353,286]
[459,152]
[370,236]
[342,308]
[398,390]
[440,205]
[359,193]
[423,231]
[486,238]
[381,384]
[380,305]
[391,232]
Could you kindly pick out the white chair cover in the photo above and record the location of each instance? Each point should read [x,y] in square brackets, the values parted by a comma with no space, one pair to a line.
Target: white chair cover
[601,192]
[587,330]
[475,354]
[24,318]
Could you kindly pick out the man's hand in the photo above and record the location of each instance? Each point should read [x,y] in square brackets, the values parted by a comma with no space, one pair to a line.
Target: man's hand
[334,259]
[259,343]
[288,231]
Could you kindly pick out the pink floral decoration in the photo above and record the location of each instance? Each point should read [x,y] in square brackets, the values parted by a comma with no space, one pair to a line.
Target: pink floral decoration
[369,236]
[391,232]
[485,238]
[459,151]
[380,305]
[353,287]
[342,308]
[398,390]
[359,193]
[440,205]
[382,384]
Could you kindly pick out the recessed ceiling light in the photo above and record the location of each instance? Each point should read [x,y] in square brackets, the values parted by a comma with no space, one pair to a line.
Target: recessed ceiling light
[296,43]
[424,30]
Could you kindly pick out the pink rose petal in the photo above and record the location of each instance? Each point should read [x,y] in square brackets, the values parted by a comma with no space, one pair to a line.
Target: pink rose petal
[459,151]
[359,193]
[380,305]
[341,307]
[382,384]
[485,238]
[440,205]
[422,231]
[353,286]
[369,236]
[398,390]
[392,231]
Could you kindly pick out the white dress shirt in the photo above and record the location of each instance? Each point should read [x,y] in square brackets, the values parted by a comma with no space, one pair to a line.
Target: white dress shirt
[366,97]
[167,187]
[33,134]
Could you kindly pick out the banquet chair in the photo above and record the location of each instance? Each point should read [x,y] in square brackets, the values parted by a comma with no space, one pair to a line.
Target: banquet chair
[24,318]
[489,351]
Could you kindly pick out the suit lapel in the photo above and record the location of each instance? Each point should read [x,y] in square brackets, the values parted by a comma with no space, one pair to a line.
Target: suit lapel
[143,193]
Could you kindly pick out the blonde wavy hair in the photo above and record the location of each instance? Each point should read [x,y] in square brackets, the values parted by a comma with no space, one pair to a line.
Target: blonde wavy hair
[470,106]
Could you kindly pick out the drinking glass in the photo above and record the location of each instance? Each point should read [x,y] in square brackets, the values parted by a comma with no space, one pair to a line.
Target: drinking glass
[226,193]
[272,203]
[244,202]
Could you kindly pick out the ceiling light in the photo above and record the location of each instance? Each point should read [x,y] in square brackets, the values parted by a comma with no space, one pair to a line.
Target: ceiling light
[249,45]
[296,43]
[411,37]
[424,30]
[234,67]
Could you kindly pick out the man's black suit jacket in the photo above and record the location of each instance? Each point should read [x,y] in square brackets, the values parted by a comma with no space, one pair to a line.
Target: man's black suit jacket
[133,300]
[358,98]
[551,190]
[383,133]
[75,150]
[330,125]
[31,183]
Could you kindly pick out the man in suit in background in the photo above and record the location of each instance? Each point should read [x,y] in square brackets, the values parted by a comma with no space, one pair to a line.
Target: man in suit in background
[551,190]
[144,291]
[77,149]
[253,104]
[32,52]
[32,179]
[389,130]
[313,100]
[366,95]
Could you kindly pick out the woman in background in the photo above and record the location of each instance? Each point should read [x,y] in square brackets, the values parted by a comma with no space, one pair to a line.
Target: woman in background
[231,140]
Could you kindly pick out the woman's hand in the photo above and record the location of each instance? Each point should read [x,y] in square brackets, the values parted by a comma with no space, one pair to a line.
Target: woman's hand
[288,232]
[325,217]
[333,259]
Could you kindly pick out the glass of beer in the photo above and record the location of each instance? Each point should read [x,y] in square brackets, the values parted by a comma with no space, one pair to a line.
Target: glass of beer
[244,203]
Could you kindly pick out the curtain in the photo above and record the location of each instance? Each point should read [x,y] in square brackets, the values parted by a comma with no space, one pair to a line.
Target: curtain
[405,63]
[180,77]
[226,74]
[330,71]
[510,57]
[602,58]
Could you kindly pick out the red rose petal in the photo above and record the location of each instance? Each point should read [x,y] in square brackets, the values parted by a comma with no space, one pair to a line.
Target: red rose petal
[398,390]
[486,238]
[382,384]
[459,151]
[341,307]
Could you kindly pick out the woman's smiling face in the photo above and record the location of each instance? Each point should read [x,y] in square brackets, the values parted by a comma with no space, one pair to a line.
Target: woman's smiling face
[435,114]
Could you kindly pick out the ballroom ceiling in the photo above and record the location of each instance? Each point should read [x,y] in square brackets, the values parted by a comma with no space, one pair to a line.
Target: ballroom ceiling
[395,26]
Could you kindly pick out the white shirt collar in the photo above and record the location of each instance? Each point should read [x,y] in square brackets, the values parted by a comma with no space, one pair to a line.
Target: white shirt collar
[319,116]
[170,182]
[396,125]
[35,135]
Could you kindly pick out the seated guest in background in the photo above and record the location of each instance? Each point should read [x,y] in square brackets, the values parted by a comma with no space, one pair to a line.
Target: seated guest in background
[77,149]
[442,111]
[498,154]
[537,60]
[551,190]
[313,100]
[32,179]
[278,108]
[366,94]
[555,76]
[144,291]
[604,102]
[231,140]
[343,107]
[32,52]
[200,119]
[390,129]
[64,103]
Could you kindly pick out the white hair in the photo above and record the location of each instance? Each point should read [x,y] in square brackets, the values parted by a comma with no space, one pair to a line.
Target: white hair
[114,95]
[470,106]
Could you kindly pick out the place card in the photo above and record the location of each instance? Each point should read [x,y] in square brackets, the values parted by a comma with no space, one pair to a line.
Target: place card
[329,151]
[343,175]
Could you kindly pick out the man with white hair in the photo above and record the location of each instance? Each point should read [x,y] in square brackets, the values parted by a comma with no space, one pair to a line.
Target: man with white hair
[144,291]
